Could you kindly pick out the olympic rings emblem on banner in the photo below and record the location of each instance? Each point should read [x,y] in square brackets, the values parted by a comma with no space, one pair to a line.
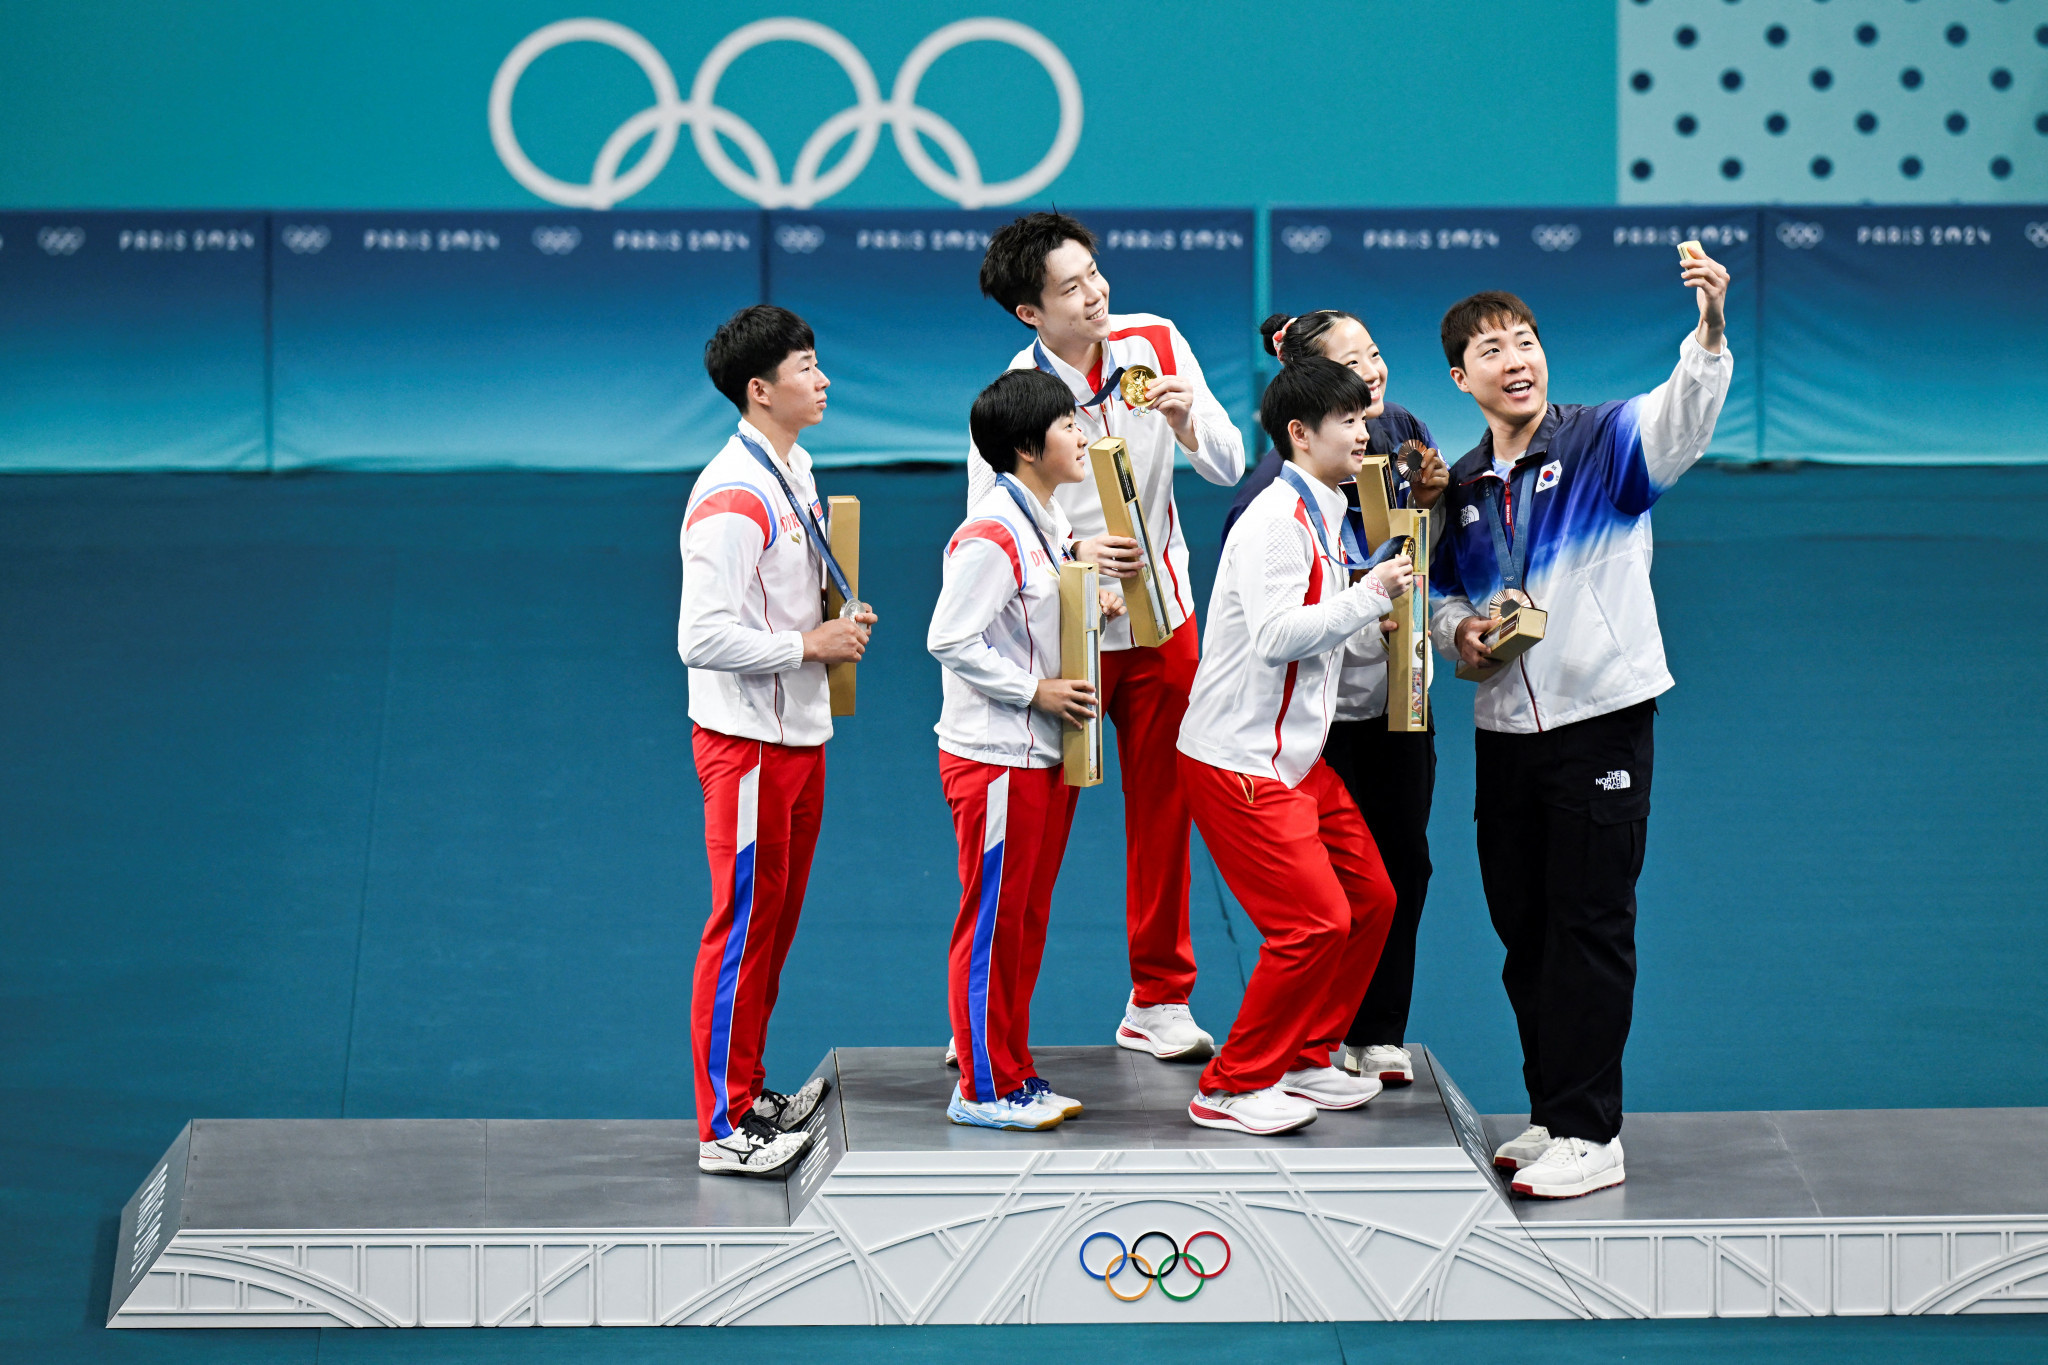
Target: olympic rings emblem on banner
[1801,236]
[1128,1257]
[809,182]
[1555,236]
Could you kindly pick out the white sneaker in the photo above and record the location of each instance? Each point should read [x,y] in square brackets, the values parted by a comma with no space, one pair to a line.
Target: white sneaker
[1168,1032]
[1326,1087]
[1260,1112]
[1570,1168]
[1391,1065]
[1527,1148]
[790,1112]
[1039,1086]
[757,1147]
[1020,1109]
[952,1054]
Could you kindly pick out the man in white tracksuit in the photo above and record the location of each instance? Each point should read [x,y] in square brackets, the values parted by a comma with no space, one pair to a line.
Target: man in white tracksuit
[1041,269]
[1553,509]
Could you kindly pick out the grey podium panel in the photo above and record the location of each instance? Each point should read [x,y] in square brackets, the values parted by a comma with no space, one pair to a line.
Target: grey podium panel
[898,1216]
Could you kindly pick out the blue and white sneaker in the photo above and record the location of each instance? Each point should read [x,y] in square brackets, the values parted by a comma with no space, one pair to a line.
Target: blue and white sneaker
[1020,1109]
[1038,1086]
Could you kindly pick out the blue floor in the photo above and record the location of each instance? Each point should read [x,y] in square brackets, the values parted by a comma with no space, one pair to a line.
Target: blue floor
[371,796]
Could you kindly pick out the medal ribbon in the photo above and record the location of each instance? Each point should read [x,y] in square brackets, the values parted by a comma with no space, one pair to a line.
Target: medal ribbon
[1102,395]
[1512,555]
[1010,485]
[1315,519]
[810,518]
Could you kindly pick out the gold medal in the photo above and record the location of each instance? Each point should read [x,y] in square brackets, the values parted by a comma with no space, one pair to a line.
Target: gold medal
[1137,384]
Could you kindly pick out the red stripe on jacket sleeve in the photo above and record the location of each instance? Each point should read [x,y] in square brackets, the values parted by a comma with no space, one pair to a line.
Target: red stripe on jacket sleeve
[996,534]
[740,501]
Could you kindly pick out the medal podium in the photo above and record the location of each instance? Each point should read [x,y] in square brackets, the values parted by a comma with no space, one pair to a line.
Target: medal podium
[896,1216]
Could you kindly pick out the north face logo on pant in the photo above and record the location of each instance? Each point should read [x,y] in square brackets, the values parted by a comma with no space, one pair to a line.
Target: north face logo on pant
[1614,781]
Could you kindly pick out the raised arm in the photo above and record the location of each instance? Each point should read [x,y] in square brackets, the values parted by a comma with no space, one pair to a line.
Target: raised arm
[1201,427]
[1663,433]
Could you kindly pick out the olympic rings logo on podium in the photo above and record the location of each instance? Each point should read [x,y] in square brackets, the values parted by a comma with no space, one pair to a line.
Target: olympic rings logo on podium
[1129,1257]
[762,182]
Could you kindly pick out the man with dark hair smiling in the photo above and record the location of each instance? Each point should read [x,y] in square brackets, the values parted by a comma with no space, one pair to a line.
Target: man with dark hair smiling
[1041,269]
[753,634]
[1552,510]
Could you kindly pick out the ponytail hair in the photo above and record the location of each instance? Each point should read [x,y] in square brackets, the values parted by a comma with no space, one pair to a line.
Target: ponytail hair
[1290,339]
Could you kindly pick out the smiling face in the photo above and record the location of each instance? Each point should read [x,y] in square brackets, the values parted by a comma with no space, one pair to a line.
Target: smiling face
[1334,449]
[795,399]
[1066,453]
[1073,309]
[1348,343]
[1505,370]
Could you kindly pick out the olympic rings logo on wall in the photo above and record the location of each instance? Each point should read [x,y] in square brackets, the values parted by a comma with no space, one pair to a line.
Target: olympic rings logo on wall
[1130,1258]
[809,182]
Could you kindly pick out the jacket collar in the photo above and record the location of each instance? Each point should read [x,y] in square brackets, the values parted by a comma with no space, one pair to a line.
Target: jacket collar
[799,460]
[1477,462]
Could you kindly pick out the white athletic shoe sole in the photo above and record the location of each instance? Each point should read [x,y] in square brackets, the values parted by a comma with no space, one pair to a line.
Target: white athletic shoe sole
[1335,1103]
[1604,1180]
[732,1165]
[1208,1117]
[1138,1040]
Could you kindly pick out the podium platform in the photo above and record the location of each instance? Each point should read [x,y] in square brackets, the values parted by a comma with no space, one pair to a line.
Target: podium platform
[1392,1212]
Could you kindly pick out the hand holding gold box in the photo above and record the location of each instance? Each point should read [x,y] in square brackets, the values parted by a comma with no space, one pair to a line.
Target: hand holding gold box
[1408,646]
[845,536]
[1520,628]
[1110,458]
[1081,661]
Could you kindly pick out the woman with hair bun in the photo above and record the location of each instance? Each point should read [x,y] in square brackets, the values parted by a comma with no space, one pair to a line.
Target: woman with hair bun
[1391,776]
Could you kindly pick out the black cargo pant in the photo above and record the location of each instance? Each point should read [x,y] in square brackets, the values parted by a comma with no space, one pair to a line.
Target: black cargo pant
[1562,818]
[1392,777]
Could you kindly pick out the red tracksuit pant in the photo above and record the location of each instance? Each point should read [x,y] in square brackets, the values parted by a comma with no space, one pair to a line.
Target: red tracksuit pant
[1305,868]
[1146,693]
[1012,826]
[762,803]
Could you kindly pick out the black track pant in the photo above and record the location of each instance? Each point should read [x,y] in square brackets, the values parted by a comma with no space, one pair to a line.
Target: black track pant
[1392,777]
[1562,817]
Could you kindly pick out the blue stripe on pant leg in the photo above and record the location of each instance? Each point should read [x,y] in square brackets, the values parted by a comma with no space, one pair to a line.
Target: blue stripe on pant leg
[728,986]
[978,970]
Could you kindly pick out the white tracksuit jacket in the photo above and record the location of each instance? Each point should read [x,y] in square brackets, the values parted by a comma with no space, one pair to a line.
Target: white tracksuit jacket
[1598,471]
[1279,617]
[996,629]
[1138,339]
[752,584]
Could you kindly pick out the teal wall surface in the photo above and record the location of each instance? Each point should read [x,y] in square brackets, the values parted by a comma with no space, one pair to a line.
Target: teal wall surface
[377,104]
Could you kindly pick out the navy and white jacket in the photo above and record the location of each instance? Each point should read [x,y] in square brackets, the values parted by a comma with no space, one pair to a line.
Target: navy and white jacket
[1598,471]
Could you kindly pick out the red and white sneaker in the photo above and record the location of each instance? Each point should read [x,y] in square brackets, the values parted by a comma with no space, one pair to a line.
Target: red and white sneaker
[1168,1032]
[1326,1087]
[1571,1167]
[1258,1112]
[1384,1062]
[952,1054]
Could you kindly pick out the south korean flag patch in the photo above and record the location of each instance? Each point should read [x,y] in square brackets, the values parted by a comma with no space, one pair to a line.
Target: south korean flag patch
[1548,476]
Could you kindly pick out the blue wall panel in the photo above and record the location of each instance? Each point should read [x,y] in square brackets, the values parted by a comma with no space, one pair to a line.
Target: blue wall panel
[908,340]
[131,341]
[1906,335]
[1603,284]
[560,341]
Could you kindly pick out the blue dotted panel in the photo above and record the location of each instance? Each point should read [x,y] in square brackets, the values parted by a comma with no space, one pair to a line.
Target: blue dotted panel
[1833,101]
